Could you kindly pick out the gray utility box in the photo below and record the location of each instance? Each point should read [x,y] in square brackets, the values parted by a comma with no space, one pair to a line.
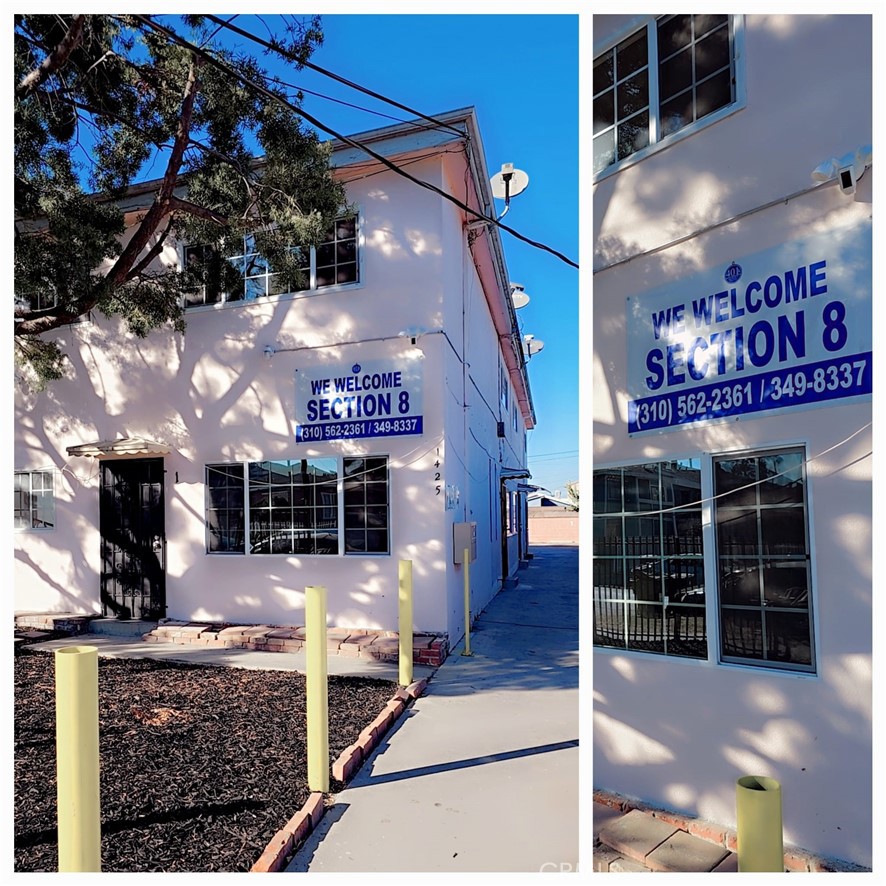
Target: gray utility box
[464,537]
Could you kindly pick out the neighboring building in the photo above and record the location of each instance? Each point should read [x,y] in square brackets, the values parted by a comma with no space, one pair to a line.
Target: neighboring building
[293,439]
[732,416]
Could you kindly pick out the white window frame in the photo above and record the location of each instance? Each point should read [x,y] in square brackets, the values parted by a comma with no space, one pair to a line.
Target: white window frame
[311,291]
[709,557]
[30,492]
[656,144]
[340,506]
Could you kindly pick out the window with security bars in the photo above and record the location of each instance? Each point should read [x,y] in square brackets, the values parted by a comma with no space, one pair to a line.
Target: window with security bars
[34,500]
[763,560]
[665,77]
[333,263]
[648,566]
[322,506]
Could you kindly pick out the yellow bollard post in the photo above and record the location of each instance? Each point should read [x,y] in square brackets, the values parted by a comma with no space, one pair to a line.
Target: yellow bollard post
[405,626]
[466,564]
[317,689]
[77,761]
[759,825]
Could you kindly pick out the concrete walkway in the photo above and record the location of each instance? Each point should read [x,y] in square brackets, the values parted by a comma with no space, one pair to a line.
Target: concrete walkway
[481,774]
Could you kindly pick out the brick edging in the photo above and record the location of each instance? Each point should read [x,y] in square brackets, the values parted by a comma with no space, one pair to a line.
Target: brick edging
[285,842]
[795,859]
[427,649]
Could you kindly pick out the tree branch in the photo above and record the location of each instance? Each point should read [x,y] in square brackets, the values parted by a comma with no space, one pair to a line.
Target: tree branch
[153,252]
[56,59]
[139,240]
[177,204]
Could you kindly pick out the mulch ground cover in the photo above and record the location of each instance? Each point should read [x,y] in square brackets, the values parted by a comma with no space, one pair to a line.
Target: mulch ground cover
[200,765]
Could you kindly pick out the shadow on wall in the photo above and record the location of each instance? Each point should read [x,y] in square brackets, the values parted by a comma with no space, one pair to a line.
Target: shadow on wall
[211,381]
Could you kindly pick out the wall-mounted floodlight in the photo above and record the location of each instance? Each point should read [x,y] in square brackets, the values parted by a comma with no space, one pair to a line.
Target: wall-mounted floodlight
[269,352]
[847,169]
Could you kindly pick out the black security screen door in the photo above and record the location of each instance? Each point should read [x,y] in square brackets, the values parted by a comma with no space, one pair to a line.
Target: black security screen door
[133,538]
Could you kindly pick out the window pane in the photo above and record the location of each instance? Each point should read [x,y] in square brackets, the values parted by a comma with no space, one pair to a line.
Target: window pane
[784,531]
[785,584]
[608,537]
[705,23]
[731,476]
[742,633]
[604,111]
[674,34]
[376,541]
[609,623]
[675,75]
[346,227]
[711,54]
[788,637]
[645,628]
[630,54]
[607,491]
[644,580]
[603,73]
[676,113]
[642,535]
[641,491]
[355,541]
[737,531]
[739,583]
[632,95]
[604,151]
[346,273]
[713,94]
[325,276]
[684,581]
[682,532]
[609,579]
[633,135]
[686,632]
[784,478]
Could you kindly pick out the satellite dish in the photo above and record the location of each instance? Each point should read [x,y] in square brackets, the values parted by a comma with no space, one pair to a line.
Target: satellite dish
[518,296]
[532,345]
[509,182]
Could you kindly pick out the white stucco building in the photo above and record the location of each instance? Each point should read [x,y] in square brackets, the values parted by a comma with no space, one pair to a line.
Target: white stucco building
[732,378]
[295,439]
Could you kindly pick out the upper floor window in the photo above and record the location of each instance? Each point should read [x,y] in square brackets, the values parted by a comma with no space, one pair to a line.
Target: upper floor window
[333,263]
[664,78]
[34,500]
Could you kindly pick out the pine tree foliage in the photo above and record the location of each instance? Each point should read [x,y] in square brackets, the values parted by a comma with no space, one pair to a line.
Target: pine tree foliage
[98,99]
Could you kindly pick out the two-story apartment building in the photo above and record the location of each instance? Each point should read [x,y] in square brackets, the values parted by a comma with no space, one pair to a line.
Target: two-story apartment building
[732,381]
[296,438]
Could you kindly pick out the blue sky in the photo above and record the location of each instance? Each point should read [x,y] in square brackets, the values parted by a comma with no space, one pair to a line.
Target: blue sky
[521,73]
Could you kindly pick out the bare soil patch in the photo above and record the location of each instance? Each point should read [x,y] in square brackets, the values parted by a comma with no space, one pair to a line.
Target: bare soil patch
[200,766]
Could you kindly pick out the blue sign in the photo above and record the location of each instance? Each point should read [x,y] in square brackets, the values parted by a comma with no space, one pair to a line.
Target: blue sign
[795,332]
[378,398]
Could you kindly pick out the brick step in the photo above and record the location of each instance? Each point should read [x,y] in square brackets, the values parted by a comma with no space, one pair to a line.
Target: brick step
[636,841]
[427,649]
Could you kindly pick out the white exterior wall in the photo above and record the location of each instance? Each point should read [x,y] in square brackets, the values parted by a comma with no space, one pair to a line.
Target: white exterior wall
[680,732]
[213,396]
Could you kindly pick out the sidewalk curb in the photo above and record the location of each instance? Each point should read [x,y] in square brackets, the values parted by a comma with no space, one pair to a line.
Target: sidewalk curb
[283,845]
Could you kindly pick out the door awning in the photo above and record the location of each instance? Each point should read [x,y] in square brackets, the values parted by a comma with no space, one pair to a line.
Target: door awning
[123,446]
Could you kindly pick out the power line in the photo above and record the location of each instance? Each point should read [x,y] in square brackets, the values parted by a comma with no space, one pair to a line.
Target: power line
[181,41]
[712,498]
[273,46]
